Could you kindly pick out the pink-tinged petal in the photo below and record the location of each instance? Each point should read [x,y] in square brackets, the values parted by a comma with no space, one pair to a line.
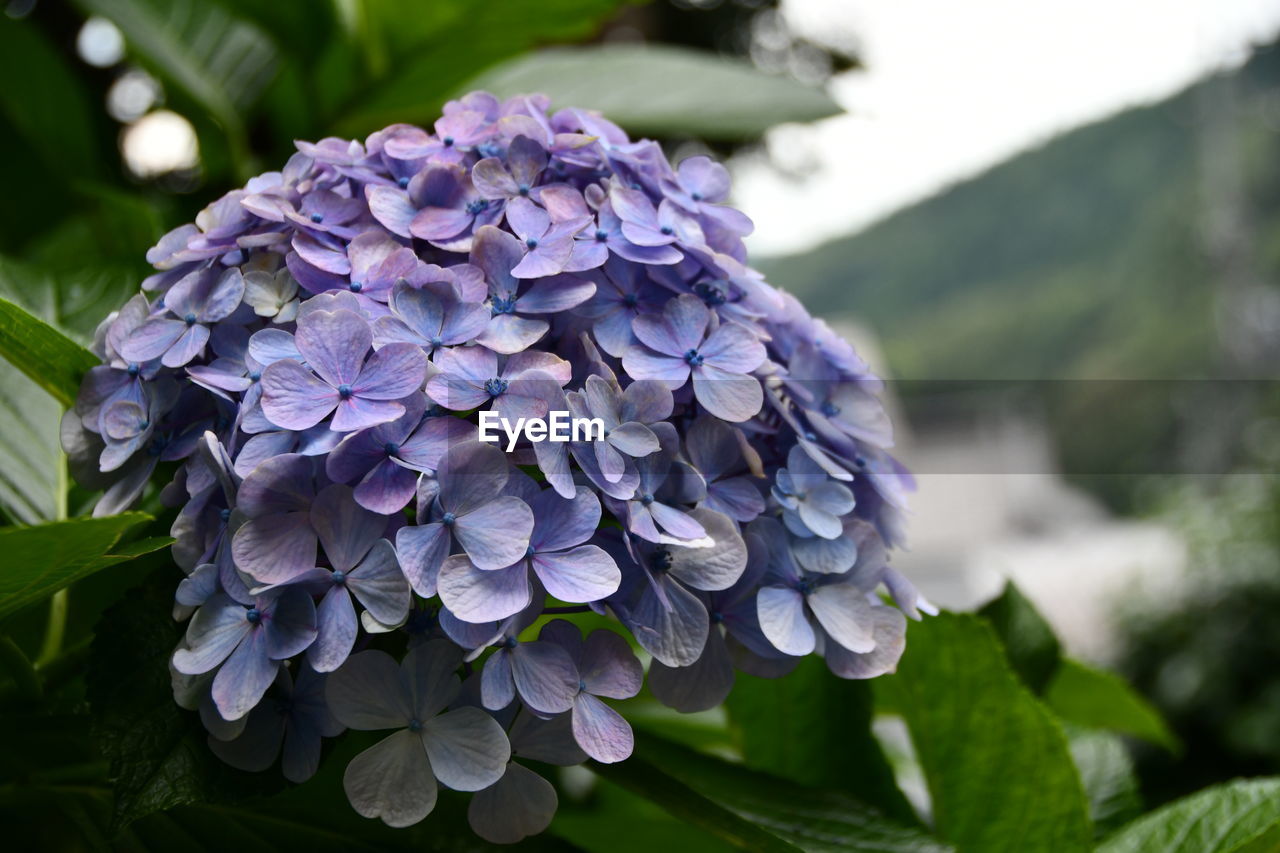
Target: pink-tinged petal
[422,450]
[421,549]
[186,347]
[608,666]
[527,159]
[356,413]
[518,805]
[546,260]
[733,348]
[581,574]
[564,523]
[737,497]
[729,396]
[492,180]
[152,339]
[271,345]
[313,279]
[651,255]
[642,363]
[435,224]
[334,344]
[678,329]
[647,402]
[527,219]
[676,522]
[275,549]
[555,295]
[469,751]
[392,208]
[347,531]
[293,398]
[290,624]
[323,256]
[280,484]
[366,693]
[392,373]
[704,176]
[634,439]
[213,633]
[387,488]
[601,731]
[729,218]
[587,255]
[380,586]
[633,205]
[510,333]
[244,678]
[643,235]
[715,568]
[336,631]
[782,618]
[545,677]
[844,612]
[700,686]
[563,203]
[889,631]
[475,595]
[392,780]
[495,534]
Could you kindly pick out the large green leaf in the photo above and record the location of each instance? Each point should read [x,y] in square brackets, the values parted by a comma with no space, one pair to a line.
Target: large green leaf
[37,561]
[1102,700]
[757,811]
[1032,646]
[1238,816]
[32,470]
[662,90]
[1106,770]
[996,763]
[52,360]
[816,729]
[431,50]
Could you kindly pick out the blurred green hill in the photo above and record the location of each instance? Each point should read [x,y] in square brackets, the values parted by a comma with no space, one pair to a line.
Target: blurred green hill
[1101,254]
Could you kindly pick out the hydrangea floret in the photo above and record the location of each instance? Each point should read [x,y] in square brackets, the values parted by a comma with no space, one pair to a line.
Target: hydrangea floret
[309,364]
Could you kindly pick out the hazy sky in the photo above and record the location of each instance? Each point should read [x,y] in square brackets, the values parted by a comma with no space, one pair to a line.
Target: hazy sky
[953,87]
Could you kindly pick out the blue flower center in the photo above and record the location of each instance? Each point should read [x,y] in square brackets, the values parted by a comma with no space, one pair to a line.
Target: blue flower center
[631,300]
[134,369]
[254,615]
[144,426]
[810,436]
[415,725]
[667,229]
[829,409]
[355,286]
[693,357]
[391,448]
[503,304]
[224,514]
[437,341]
[344,391]
[523,189]
[646,499]
[402,182]
[339,577]
[477,206]
[660,561]
[255,375]
[582,685]
[716,617]
[711,294]
[496,386]
[190,319]
[317,218]
[529,552]
[448,141]
[806,586]
[510,643]
[601,235]
[448,519]
[532,243]
[696,196]
[860,461]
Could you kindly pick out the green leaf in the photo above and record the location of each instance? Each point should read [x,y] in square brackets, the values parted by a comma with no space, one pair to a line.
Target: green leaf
[1106,770]
[1032,646]
[37,561]
[32,471]
[663,91]
[757,811]
[441,45]
[1239,815]
[816,729]
[1102,700]
[157,751]
[55,362]
[996,763]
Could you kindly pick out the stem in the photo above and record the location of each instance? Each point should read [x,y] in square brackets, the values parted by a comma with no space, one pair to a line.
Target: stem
[575,608]
[54,629]
[19,666]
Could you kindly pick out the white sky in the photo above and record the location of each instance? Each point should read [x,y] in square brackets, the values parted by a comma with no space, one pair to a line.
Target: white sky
[954,86]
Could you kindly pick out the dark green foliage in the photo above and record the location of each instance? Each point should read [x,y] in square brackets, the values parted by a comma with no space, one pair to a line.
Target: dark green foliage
[1031,644]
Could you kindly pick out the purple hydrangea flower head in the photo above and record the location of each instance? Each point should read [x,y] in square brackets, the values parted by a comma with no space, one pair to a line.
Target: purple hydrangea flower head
[320,359]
